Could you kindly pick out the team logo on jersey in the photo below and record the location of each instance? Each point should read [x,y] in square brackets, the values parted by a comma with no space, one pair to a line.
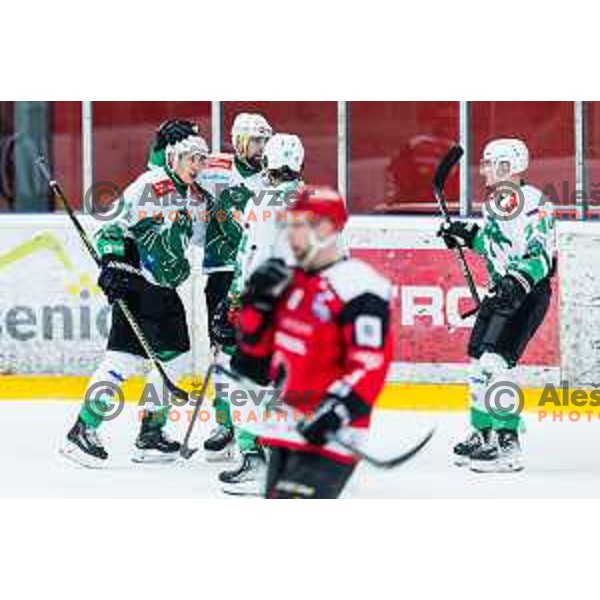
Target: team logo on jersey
[368,331]
[320,308]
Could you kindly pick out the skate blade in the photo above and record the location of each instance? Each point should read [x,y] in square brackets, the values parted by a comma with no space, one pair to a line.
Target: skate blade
[461,461]
[496,467]
[74,454]
[226,455]
[244,489]
[151,457]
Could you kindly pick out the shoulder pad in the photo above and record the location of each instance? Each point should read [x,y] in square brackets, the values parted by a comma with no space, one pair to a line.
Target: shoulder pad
[220,160]
[352,278]
[163,187]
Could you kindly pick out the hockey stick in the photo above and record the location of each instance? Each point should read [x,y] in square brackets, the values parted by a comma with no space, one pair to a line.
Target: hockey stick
[452,158]
[44,169]
[380,463]
[185,451]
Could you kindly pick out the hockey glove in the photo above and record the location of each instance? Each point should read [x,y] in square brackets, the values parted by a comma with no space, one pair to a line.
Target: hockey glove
[118,278]
[267,283]
[329,417]
[173,131]
[458,233]
[223,332]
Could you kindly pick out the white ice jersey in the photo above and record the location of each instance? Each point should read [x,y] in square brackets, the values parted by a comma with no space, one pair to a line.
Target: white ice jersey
[264,235]
[223,171]
[158,219]
[521,242]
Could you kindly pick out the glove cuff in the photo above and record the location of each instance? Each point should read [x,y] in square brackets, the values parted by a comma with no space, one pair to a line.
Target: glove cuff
[352,406]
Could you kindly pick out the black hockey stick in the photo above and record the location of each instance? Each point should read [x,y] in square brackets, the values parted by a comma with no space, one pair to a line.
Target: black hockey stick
[380,463]
[42,165]
[185,451]
[452,158]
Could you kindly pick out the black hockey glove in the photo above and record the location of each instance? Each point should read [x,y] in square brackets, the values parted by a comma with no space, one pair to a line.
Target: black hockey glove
[510,292]
[118,278]
[458,233]
[330,416]
[267,283]
[223,332]
[173,131]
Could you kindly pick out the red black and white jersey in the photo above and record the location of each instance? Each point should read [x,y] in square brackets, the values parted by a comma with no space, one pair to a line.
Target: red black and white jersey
[327,336]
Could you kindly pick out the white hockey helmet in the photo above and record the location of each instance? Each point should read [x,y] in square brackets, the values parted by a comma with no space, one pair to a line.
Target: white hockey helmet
[193,145]
[284,150]
[246,126]
[509,150]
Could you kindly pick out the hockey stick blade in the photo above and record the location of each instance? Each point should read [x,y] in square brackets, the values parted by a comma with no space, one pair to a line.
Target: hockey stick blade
[389,463]
[443,170]
[185,451]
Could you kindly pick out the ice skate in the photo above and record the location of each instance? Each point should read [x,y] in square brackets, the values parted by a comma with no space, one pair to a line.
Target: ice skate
[248,479]
[84,447]
[501,454]
[463,450]
[153,445]
[220,446]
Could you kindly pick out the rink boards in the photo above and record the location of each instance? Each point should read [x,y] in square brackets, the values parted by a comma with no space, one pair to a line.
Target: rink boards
[54,320]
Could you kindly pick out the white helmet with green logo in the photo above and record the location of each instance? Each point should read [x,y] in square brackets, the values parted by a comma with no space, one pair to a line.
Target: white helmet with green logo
[247,126]
[193,145]
[284,150]
[507,150]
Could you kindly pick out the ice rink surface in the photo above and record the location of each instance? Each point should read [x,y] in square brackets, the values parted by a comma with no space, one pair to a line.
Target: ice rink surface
[562,460]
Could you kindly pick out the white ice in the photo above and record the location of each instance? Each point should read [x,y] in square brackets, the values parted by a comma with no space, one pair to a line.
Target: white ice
[562,460]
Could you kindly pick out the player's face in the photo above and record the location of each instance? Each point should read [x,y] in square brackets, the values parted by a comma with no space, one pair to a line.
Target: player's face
[304,231]
[298,233]
[493,174]
[255,149]
[190,166]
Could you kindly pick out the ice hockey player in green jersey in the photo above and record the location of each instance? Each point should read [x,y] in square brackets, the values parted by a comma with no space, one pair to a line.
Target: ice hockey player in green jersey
[232,180]
[517,241]
[262,239]
[143,261]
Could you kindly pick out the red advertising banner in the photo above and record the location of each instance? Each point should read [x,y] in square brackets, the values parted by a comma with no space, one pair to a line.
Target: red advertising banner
[429,290]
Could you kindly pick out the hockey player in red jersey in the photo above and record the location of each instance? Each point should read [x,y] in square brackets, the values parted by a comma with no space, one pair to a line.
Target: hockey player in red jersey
[319,332]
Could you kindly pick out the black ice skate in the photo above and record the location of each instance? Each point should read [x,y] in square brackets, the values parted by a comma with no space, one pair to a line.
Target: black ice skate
[502,454]
[84,447]
[219,446]
[153,445]
[249,478]
[463,450]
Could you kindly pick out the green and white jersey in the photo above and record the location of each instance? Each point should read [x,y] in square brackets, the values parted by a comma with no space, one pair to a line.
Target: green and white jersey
[158,220]
[231,182]
[523,245]
[263,234]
